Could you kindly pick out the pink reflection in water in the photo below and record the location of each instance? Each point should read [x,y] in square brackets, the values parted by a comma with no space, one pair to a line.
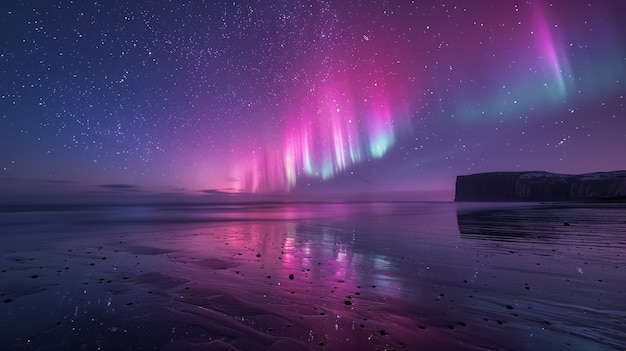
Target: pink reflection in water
[306,282]
[375,277]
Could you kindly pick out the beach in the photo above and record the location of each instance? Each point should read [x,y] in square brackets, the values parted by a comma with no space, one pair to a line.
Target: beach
[314,276]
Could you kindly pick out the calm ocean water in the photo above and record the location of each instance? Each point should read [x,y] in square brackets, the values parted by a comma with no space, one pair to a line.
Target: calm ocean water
[331,276]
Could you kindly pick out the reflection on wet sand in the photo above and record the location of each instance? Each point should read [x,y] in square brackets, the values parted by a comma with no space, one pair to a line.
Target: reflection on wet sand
[303,283]
[315,277]
[513,224]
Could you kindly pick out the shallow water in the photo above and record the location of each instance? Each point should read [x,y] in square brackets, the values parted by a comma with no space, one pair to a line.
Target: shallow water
[376,276]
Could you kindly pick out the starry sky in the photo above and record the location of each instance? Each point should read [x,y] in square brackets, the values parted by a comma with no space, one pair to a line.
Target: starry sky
[334,98]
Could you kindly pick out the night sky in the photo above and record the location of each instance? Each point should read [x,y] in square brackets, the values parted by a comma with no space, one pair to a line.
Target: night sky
[339,98]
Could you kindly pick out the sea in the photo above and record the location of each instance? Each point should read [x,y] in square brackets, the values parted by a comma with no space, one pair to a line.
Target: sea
[313,276]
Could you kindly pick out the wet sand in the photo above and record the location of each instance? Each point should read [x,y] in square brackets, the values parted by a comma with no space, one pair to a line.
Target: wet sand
[415,276]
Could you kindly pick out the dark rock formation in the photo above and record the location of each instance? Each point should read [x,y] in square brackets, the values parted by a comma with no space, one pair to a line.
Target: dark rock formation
[541,186]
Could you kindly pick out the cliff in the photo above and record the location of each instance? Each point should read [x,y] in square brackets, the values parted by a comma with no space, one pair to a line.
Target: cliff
[541,186]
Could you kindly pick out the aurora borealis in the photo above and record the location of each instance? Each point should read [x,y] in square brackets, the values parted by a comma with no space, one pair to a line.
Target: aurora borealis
[302,97]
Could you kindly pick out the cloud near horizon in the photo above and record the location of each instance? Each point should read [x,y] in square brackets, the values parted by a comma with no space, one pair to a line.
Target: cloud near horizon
[120,187]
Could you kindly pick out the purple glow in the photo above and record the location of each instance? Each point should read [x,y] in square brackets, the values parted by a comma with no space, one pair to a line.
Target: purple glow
[556,58]
[340,130]
[367,98]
